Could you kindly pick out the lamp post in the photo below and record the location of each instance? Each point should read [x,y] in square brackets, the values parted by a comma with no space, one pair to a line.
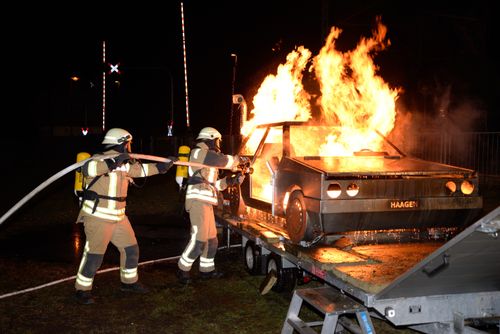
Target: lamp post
[235,63]
[171,123]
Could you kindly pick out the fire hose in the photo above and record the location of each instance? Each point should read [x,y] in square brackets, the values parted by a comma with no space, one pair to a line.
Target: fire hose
[78,164]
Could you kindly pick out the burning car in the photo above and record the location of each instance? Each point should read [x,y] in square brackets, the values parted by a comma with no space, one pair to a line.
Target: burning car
[317,138]
[373,188]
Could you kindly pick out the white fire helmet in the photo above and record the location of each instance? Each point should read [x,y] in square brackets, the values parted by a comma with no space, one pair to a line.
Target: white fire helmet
[209,133]
[116,136]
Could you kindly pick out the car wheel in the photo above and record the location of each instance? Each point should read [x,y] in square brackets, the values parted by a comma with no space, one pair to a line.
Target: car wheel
[253,258]
[296,218]
[286,278]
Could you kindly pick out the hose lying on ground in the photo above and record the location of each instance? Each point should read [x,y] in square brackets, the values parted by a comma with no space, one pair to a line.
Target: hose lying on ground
[10,294]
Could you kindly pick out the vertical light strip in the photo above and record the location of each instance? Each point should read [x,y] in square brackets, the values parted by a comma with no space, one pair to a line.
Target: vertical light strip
[103,86]
[185,64]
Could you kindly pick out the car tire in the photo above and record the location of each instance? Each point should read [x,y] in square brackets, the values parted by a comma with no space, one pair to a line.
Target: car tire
[297,221]
[253,258]
[286,278]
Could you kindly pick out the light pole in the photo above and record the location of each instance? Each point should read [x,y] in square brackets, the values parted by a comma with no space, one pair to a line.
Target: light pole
[171,124]
[235,63]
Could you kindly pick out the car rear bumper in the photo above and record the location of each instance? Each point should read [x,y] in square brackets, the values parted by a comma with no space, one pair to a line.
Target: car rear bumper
[398,205]
[382,214]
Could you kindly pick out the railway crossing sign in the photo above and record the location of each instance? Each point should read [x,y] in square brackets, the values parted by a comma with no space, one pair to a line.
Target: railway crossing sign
[114,68]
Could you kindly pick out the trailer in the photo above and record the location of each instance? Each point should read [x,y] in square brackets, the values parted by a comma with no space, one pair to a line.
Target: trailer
[443,284]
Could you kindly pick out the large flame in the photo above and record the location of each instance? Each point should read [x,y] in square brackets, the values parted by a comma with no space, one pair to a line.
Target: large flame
[282,97]
[353,97]
[355,103]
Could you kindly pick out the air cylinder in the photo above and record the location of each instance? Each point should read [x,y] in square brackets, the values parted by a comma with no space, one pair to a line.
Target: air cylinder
[181,174]
[79,182]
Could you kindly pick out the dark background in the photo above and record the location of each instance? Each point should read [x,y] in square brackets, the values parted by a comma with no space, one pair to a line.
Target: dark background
[438,48]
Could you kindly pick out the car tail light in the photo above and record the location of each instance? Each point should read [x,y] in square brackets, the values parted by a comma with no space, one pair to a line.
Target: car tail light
[334,190]
[467,187]
[352,189]
[451,186]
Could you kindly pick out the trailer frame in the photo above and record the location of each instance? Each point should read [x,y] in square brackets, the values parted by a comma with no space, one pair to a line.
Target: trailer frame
[452,290]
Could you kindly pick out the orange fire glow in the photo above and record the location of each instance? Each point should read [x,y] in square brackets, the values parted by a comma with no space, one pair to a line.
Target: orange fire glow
[282,97]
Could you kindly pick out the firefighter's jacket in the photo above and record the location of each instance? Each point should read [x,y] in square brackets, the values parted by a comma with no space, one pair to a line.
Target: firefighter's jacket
[105,198]
[203,183]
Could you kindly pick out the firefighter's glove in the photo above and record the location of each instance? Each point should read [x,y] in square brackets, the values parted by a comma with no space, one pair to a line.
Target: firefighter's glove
[235,179]
[173,159]
[117,161]
[163,167]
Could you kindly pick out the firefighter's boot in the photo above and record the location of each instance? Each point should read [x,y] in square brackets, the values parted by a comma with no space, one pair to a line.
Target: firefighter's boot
[211,274]
[134,287]
[84,297]
[183,276]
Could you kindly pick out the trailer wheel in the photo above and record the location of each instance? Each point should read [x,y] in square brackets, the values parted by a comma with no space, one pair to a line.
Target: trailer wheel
[253,258]
[286,277]
[297,223]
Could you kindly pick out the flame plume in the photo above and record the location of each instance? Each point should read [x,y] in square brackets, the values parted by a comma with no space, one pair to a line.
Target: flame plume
[353,97]
[282,97]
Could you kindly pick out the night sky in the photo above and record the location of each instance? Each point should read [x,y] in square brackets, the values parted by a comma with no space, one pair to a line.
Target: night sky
[433,48]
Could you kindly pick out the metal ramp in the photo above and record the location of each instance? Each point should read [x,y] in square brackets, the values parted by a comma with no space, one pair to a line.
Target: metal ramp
[459,281]
[329,302]
[455,289]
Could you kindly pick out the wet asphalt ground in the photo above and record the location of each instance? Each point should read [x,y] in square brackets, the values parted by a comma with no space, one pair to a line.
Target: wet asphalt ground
[64,243]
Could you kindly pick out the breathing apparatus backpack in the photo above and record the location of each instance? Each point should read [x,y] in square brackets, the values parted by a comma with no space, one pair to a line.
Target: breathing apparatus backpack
[79,185]
[83,190]
[181,177]
[181,173]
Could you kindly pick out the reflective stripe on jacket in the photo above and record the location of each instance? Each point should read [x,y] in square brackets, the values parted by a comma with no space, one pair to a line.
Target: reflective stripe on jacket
[206,188]
[112,184]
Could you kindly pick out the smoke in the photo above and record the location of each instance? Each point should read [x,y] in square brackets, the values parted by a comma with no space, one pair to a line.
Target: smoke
[461,115]
[405,129]
[445,124]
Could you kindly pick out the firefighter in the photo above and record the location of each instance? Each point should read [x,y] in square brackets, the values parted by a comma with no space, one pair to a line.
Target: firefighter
[201,197]
[103,213]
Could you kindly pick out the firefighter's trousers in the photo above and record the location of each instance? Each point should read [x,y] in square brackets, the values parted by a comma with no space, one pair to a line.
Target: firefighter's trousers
[203,242]
[98,235]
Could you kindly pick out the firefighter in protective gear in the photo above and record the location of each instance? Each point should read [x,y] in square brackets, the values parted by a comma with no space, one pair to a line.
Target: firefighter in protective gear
[103,212]
[201,196]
